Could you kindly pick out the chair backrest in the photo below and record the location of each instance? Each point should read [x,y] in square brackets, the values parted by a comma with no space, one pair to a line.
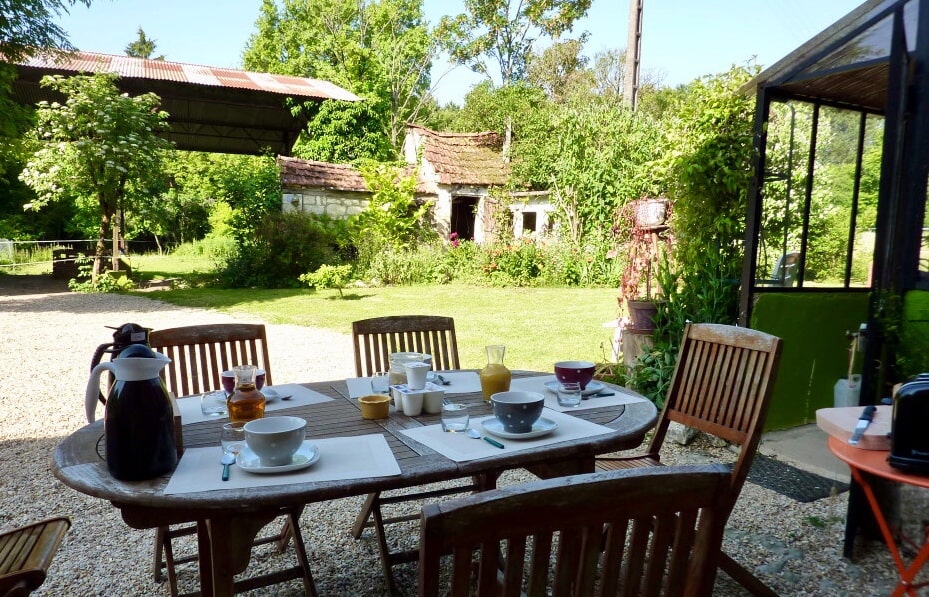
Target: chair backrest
[374,339]
[200,353]
[785,270]
[722,385]
[27,552]
[659,531]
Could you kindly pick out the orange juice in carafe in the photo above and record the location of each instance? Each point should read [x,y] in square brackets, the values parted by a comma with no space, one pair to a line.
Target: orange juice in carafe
[495,377]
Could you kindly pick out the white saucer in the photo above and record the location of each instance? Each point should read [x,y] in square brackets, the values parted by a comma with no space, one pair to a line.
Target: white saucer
[593,386]
[541,427]
[306,456]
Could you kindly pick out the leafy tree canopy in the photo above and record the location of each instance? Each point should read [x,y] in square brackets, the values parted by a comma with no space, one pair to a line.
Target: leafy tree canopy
[501,34]
[142,47]
[99,144]
[28,26]
[380,50]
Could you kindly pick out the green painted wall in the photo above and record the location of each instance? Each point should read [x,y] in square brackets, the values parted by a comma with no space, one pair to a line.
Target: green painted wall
[815,353]
[915,341]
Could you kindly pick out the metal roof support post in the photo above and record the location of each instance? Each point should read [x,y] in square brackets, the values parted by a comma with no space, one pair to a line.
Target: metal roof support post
[915,166]
[886,256]
[754,207]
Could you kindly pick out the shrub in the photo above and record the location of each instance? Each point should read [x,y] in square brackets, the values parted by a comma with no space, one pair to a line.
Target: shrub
[329,276]
[520,263]
[424,264]
[285,246]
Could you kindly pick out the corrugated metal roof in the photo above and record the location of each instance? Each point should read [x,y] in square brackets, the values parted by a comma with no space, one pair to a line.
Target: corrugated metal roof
[162,70]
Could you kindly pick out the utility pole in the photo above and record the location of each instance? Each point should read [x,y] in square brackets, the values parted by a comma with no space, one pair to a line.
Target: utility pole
[633,54]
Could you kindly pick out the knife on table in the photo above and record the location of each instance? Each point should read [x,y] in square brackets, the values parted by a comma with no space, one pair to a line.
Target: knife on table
[863,421]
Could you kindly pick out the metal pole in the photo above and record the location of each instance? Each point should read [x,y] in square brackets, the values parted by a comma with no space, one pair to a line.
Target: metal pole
[633,54]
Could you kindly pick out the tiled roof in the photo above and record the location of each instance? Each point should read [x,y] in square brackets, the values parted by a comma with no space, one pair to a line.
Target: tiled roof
[163,70]
[296,172]
[463,158]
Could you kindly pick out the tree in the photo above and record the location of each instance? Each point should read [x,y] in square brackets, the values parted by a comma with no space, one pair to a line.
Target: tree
[99,144]
[143,47]
[380,50]
[505,31]
[28,27]
[561,70]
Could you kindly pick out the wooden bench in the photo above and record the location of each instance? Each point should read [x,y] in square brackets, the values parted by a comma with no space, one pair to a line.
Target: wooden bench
[26,554]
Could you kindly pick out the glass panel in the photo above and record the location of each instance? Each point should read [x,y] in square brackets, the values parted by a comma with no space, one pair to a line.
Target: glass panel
[870,45]
[829,219]
[783,191]
[866,224]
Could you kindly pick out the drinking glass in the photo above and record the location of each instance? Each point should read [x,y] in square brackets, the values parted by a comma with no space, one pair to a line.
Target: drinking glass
[455,417]
[380,382]
[569,394]
[213,404]
[232,437]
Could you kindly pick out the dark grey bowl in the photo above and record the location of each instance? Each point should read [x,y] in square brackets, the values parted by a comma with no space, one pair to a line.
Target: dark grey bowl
[517,411]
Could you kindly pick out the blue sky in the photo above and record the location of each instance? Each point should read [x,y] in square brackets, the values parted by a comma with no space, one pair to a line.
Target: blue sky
[681,40]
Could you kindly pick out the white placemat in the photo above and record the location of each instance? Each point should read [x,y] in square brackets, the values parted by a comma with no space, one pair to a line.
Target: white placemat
[537,384]
[299,396]
[459,382]
[355,457]
[461,448]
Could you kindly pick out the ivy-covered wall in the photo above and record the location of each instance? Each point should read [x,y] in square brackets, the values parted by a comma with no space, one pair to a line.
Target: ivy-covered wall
[815,353]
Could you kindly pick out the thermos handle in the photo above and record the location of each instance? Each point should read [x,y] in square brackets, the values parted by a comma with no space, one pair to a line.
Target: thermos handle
[93,390]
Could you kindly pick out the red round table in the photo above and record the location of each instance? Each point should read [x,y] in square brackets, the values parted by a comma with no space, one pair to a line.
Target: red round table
[863,464]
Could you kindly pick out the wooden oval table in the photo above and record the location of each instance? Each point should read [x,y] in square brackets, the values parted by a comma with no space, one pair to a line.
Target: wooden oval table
[228,520]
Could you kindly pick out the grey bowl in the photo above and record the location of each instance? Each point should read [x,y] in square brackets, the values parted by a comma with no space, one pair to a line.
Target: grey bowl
[516,410]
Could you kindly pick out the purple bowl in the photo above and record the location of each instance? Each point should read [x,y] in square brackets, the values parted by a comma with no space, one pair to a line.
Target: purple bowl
[579,371]
[228,379]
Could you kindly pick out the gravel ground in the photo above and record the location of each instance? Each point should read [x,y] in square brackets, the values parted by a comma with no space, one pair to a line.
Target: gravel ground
[48,341]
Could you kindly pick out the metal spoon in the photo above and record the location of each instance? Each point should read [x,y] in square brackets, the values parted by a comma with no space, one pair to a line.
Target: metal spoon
[472,432]
[227,459]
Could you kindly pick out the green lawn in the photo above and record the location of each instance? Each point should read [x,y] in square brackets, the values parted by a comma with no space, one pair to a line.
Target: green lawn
[538,325]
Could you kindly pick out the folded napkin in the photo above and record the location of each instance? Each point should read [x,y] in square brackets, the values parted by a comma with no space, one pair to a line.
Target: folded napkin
[537,384]
[461,448]
[299,396]
[459,382]
[356,457]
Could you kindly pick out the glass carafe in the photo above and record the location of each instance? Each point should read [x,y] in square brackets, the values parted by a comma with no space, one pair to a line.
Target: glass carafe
[495,377]
[245,403]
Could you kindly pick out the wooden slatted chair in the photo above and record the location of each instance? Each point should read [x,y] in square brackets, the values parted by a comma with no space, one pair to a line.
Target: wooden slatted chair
[623,533]
[26,553]
[721,385]
[374,339]
[199,354]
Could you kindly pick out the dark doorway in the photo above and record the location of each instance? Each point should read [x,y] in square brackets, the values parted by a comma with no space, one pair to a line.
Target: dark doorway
[463,212]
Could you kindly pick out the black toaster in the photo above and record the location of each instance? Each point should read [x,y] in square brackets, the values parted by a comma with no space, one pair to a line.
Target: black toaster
[909,440]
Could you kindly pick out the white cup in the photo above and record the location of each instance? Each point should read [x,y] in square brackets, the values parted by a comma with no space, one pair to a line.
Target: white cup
[416,375]
[413,404]
[432,402]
